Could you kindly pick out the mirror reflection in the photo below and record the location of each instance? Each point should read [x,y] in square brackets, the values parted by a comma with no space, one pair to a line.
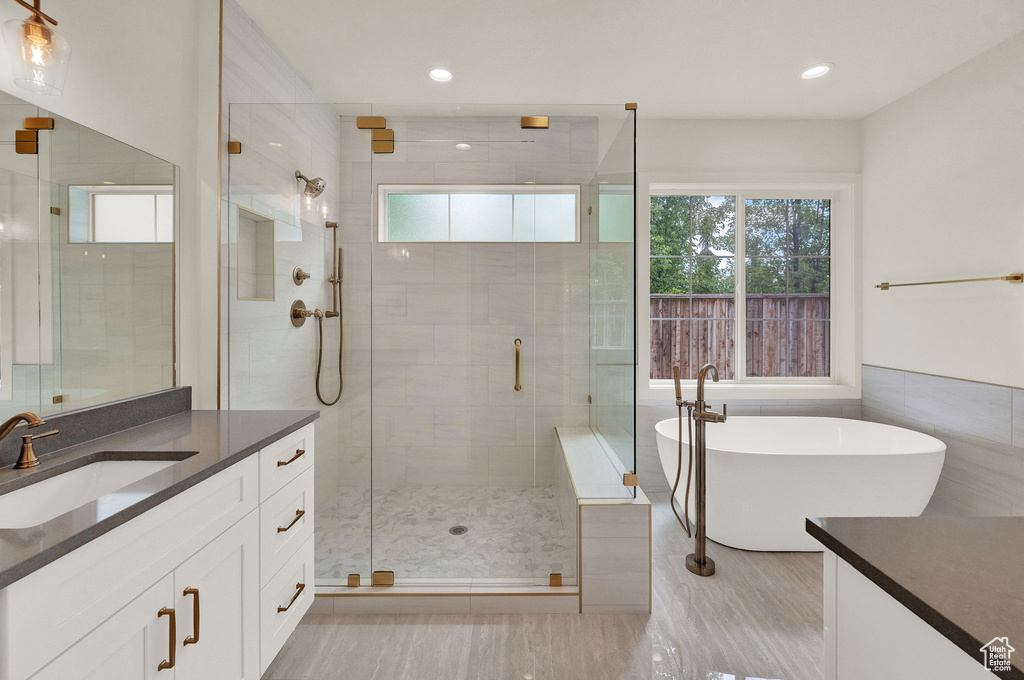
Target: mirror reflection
[87,230]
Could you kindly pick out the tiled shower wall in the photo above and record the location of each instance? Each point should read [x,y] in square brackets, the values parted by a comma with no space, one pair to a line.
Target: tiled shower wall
[284,126]
[445,316]
[982,426]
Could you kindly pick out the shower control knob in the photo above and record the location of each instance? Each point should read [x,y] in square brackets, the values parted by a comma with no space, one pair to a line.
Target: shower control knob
[298,276]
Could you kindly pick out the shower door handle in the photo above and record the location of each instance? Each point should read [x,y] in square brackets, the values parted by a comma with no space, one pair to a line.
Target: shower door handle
[519,346]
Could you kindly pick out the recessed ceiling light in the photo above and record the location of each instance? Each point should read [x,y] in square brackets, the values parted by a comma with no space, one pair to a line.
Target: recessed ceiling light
[108,182]
[462,146]
[441,75]
[816,71]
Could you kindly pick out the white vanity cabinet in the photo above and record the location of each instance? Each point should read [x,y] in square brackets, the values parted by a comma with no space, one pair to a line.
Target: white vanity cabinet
[130,645]
[189,590]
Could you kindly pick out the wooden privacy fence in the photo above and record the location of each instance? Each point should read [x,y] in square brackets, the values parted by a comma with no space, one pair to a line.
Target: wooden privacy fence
[787,335]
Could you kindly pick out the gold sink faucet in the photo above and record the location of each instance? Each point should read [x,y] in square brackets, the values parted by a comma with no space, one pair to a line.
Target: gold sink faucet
[27,459]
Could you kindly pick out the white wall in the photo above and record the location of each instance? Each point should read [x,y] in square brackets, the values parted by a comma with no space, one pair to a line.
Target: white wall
[944,199]
[147,74]
[748,146]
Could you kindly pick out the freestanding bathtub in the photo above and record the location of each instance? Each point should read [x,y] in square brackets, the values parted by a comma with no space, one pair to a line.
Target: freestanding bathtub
[766,474]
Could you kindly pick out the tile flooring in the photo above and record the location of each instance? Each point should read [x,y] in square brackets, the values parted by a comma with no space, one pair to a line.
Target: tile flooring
[759,617]
[514,533]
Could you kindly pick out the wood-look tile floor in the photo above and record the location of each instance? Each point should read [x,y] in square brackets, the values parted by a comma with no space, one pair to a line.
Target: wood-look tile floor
[759,617]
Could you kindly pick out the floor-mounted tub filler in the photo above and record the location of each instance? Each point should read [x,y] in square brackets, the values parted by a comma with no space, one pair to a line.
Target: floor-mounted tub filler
[766,475]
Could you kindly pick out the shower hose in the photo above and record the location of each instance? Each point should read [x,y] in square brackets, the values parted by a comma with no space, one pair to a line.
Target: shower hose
[679,470]
[320,358]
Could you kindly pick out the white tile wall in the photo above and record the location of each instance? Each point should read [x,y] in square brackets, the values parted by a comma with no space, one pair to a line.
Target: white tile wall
[980,424]
[285,126]
[615,553]
[445,316]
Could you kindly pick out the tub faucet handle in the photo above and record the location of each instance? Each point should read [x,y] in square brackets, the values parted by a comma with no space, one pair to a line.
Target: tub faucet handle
[711,416]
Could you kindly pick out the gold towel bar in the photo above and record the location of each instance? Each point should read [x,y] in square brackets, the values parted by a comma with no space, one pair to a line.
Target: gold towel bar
[1016,277]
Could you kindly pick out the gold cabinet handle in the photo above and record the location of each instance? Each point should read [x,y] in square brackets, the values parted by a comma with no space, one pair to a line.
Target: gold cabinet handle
[298,452]
[298,516]
[300,587]
[194,592]
[519,346]
[168,663]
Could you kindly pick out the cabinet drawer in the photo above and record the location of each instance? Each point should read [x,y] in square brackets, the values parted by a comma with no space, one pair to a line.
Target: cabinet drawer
[46,612]
[285,460]
[286,521]
[276,626]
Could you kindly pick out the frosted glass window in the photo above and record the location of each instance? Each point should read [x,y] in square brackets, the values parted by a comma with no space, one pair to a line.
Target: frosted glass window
[417,217]
[124,218]
[545,217]
[615,215]
[164,218]
[120,214]
[502,213]
[481,217]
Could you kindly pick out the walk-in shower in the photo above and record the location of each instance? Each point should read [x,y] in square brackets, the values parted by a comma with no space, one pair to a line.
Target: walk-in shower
[489,297]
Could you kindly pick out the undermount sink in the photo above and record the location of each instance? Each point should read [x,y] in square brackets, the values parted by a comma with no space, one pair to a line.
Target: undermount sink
[53,496]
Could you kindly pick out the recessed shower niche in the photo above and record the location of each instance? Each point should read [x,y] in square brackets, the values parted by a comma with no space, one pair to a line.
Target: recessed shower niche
[255,256]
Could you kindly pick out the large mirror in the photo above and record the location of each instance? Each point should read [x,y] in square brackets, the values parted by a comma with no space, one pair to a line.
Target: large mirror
[87,229]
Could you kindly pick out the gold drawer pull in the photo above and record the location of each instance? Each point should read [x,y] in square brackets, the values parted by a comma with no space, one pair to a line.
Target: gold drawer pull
[194,592]
[298,516]
[301,587]
[298,452]
[168,663]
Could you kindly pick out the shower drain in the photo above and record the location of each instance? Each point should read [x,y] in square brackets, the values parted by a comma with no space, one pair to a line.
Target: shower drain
[458,530]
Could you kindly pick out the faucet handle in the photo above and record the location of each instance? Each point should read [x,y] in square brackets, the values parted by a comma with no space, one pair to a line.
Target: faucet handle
[725,411]
[27,457]
[32,437]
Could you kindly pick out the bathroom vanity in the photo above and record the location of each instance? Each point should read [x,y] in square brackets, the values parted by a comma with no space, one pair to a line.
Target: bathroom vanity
[201,569]
[922,597]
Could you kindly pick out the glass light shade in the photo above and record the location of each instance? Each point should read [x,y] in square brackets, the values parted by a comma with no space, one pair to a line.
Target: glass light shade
[39,56]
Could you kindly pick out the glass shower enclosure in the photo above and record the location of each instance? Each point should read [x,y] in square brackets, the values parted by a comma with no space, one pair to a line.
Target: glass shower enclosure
[488,298]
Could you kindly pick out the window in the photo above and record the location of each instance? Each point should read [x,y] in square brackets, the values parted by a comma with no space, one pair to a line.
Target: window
[121,214]
[496,213]
[744,280]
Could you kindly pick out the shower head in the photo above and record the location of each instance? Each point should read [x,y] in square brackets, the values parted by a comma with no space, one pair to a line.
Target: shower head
[314,187]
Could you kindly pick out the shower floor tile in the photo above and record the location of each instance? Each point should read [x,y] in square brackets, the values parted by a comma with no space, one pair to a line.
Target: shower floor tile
[513,533]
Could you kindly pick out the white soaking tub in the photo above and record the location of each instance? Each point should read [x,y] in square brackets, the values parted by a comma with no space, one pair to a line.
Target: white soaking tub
[766,474]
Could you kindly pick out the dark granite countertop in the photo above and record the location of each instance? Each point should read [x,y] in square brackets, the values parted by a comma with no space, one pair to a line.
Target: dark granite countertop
[205,442]
[964,576]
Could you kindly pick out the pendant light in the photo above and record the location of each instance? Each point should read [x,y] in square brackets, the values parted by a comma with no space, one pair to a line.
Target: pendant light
[39,55]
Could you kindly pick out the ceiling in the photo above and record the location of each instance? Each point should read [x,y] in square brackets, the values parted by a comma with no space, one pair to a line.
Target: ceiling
[676,58]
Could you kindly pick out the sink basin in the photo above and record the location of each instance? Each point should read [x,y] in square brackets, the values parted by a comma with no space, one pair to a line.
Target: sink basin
[51,497]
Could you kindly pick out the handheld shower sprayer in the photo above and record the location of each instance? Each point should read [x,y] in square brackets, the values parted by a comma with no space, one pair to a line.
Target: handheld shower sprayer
[335,280]
[684,521]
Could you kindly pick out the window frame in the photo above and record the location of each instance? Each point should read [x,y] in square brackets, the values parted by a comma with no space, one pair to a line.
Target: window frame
[842,190]
[93,190]
[384,190]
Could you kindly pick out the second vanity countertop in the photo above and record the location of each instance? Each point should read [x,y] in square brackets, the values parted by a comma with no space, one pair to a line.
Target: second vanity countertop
[963,576]
[212,440]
